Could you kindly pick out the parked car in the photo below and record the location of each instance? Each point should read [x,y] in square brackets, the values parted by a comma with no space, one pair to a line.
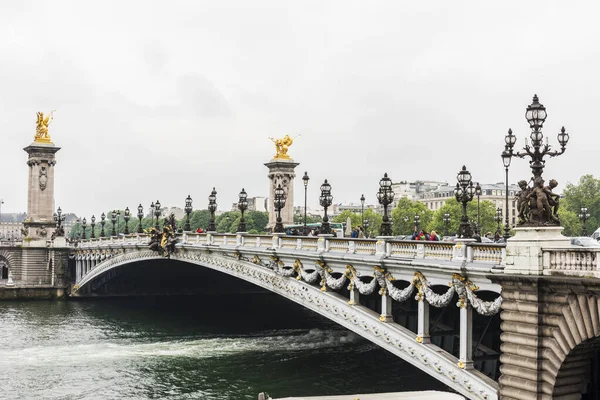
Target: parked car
[584,241]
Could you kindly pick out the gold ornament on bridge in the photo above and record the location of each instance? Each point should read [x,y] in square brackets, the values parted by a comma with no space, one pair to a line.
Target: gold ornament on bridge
[281,147]
[41,129]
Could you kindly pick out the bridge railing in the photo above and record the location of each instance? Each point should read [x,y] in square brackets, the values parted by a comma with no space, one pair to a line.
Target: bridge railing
[490,253]
[571,261]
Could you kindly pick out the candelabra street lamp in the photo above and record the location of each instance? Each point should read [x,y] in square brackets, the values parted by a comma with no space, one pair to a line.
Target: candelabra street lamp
[446,220]
[535,115]
[325,201]
[464,192]
[279,203]
[478,194]
[212,207]
[417,221]
[59,219]
[157,213]
[188,210]
[242,206]
[498,219]
[113,220]
[140,216]
[385,196]
[362,210]
[305,179]
[102,222]
[583,217]
[83,227]
[93,224]
[506,158]
[126,216]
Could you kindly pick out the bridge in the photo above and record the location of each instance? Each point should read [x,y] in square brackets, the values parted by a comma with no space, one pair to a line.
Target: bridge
[332,276]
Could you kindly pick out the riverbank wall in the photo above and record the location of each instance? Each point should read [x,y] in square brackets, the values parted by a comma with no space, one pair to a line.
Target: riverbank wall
[31,293]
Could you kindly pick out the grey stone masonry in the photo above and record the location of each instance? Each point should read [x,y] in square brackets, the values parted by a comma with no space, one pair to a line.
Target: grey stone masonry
[281,172]
[550,330]
[40,196]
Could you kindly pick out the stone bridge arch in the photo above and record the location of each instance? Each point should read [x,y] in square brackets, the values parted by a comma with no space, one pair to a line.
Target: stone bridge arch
[269,272]
[551,333]
[7,262]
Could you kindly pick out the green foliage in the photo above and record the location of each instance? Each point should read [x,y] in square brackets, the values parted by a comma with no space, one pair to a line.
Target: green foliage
[255,221]
[344,215]
[372,223]
[570,221]
[299,219]
[487,212]
[403,216]
[586,193]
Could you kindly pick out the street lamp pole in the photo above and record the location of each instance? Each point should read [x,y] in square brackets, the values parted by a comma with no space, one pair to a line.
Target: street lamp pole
[506,158]
[188,210]
[385,196]
[113,220]
[157,213]
[305,179]
[102,222]
[325,201]
[279,204]
[242,206]
[478,193]
[417,221]
[362,210]
[140,216]
[212,207]
[498,219]
[583,216]
[83,226]
[464,192]
[93,224]
[446,220]
[126,216]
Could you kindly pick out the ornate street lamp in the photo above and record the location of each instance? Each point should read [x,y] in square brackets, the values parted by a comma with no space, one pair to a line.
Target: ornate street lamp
[535,115]
[506,158]
[325,201]
[446,220]
[102,222]
[242,206]
[59,218]
[113,220]
[212,207]
[464,192]
[498,219]
[583,217]
[385,196]
[83,226]
[417,221]
[478,193]
[362,210]
[157,213]
[93,224]
[279,203]
[126,216]
[140,216]
[188,210]
[305,179]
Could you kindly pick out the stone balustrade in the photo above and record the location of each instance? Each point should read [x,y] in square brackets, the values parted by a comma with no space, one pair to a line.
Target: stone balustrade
[575,261]
[487,253]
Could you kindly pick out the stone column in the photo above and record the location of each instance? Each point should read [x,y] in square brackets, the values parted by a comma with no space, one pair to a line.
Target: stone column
[281,172]
[40,197]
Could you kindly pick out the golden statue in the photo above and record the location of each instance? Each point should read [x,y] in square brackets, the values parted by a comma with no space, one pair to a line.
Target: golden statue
[41,129]
[281,146]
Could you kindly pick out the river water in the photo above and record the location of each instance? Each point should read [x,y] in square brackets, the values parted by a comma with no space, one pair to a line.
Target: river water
[193,347]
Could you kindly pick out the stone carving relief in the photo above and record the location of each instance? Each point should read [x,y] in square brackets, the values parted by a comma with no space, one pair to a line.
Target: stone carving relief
[42,231]
[43,178]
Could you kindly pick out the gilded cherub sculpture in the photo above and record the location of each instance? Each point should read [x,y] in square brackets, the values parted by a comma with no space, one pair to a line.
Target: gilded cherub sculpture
[41,129]
[281,147]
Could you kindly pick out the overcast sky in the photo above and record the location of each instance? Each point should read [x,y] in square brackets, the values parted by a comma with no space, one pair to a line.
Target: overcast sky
[158,100]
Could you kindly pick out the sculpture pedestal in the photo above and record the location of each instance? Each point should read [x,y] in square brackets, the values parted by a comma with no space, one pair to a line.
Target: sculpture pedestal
[281,172]
[524,250]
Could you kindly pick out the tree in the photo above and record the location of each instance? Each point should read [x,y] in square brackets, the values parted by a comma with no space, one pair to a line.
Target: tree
[586,193]
[372,222]
[299,219]
[570,221]
[487,212]
[403,216]
[344,215]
